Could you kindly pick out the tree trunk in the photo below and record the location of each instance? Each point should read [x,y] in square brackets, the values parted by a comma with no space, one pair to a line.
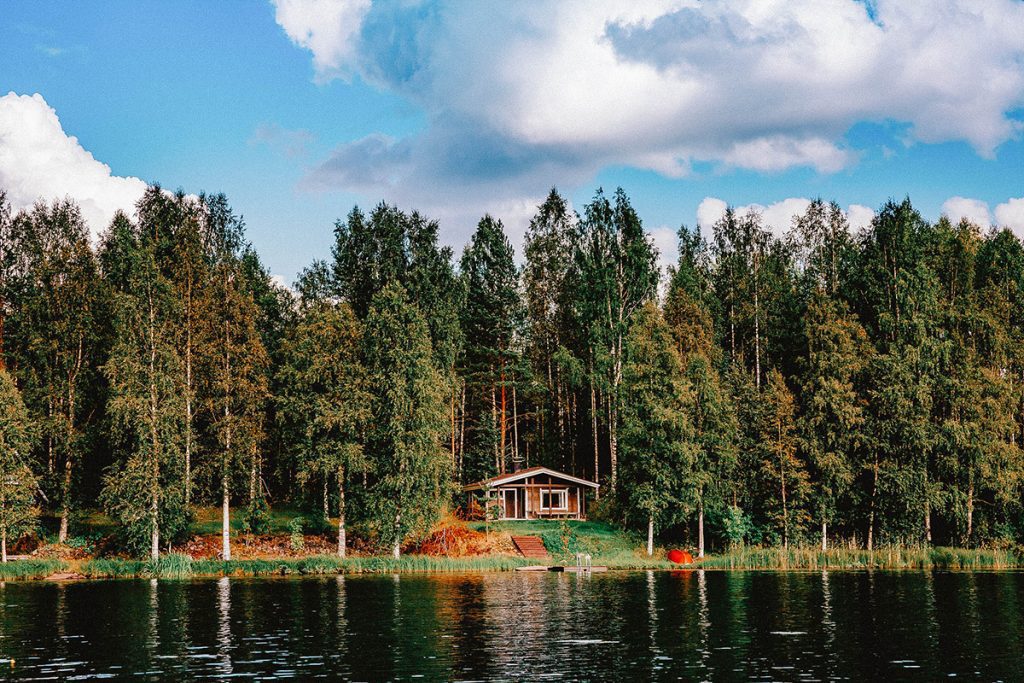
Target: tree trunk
[970,511]
[154,439]
[871,513]
[498,468]
[700,528]
[396,549]
[515,428]
[650,536]
[3,546]
[593,428]
[154,536]
[65,514]
[327,502]
[462,431]
[225,511]
[757,327]
[341,512]
[824,535]
[188,395]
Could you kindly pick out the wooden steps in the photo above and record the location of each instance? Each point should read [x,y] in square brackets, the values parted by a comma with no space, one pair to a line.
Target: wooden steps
[530,546]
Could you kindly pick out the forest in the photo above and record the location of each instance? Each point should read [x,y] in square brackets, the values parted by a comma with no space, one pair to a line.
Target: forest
[806,386]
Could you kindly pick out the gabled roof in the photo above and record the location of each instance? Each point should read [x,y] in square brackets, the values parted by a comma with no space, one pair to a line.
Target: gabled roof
[523,474]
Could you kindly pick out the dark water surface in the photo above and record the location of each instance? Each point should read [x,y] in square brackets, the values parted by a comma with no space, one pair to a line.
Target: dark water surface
[523,626]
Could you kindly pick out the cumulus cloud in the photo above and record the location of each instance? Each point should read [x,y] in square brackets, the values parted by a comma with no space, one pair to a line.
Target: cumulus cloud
[38,160]
[859,216]
[777,216]
[974,210]
[660,85]
[1010,214]
[327,28]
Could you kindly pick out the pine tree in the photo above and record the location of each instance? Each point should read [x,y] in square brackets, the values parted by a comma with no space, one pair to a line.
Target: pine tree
[548,248]
[688,312]
[492,320]
[896,299]
[832,419]
[411,473]
[18,484]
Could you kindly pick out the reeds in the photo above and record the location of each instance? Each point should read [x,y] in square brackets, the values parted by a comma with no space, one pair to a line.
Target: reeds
[896,557]
[30,569]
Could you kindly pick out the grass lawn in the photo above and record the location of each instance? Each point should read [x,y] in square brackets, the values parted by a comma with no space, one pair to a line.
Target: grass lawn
[607,544]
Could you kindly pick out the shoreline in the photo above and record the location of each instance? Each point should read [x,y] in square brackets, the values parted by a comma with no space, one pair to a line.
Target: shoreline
[176,566]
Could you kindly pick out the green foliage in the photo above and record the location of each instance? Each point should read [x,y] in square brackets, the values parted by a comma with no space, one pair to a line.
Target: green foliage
[736,526]
[866,387]
[296,539]
[658,449]
[411,474]
[256,519]
[18,485]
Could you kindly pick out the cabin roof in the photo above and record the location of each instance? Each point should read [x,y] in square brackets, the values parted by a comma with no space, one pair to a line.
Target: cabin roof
[524,474]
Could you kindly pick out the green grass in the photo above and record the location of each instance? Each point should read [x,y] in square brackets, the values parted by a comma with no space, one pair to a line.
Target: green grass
[30,569]
[180,566]
[846,558]
[608,545]
[208,519]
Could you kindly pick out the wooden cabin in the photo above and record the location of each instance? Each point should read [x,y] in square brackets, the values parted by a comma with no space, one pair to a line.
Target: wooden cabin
[534,493]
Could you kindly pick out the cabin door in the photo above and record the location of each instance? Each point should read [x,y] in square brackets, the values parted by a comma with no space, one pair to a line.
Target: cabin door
[509,503]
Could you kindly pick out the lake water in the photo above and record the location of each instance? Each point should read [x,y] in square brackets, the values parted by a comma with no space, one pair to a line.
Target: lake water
[523,626]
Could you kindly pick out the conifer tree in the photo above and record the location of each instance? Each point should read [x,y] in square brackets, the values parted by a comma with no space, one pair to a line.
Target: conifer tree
[688,312]
[833,417]
[548,248]
[492,320]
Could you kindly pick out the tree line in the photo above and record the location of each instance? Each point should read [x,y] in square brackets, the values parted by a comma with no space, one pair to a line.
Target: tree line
[811,387]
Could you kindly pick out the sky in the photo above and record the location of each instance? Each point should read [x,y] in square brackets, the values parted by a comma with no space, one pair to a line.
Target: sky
[298,110]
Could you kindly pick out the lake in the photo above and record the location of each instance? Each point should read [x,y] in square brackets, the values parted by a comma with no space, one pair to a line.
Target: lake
[523,626]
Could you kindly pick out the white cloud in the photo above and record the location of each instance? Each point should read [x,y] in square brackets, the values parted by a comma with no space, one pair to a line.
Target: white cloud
[327,28]
[777,217]
[974,210]
[38,160]
[758,84]
[708,212]
[667,243]
[1010,214]
[859,217]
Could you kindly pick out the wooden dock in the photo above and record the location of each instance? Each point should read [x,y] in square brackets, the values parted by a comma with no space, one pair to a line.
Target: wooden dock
[561,568]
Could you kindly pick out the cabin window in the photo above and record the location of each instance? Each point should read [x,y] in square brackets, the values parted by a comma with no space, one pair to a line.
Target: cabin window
[557,499]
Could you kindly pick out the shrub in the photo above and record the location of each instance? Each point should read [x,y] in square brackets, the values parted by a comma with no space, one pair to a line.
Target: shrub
[256,519]
[296,539]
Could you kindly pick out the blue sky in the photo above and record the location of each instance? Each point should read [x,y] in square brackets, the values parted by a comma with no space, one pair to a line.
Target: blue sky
[299,109]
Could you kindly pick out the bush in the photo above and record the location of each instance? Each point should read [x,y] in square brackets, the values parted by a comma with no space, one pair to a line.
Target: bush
[256,519]
[296,539]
